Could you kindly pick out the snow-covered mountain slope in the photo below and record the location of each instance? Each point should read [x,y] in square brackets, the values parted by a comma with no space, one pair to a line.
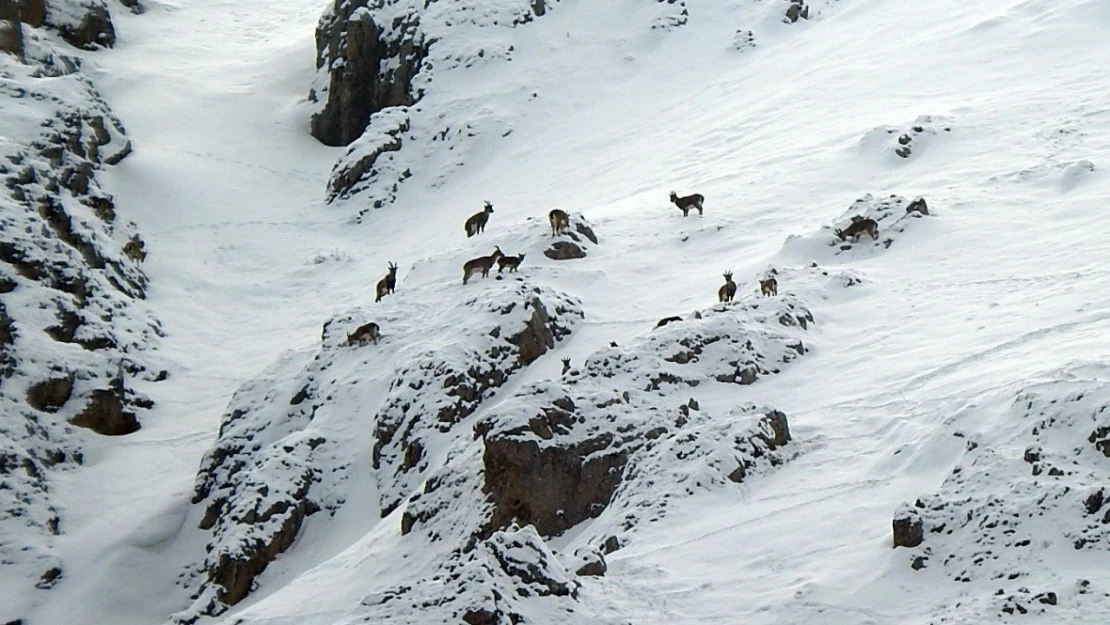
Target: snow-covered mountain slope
[76,337]
[754,463]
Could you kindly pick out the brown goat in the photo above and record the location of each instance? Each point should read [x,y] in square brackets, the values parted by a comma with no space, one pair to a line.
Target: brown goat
[476,223]
[387,284]
[685,203]
[858,227]
[559,221]
[727,290]
[367,332]
[512,262]
[481,264]
[769,287]
[566,365]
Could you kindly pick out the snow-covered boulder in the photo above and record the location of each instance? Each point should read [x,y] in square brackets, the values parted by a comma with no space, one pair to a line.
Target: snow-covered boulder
[574,242]
[278,458]
[85,24]
[907,141]
[1026,506]
[893,214]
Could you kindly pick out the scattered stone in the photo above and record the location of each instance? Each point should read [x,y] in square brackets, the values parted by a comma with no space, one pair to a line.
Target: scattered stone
[564,250]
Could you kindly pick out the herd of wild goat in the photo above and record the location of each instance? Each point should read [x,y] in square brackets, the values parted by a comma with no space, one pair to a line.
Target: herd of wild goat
[560,221]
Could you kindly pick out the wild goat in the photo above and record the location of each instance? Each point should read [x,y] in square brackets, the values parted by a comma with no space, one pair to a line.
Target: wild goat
[512,262]
[476,223]
[559,221]
[727,290]
[368,332]
[387,284]
[769,287]
[858,227]
[482,264]
[684,204]
[566,365]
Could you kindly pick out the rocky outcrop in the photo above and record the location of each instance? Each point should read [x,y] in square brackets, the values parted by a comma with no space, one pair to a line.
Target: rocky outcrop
[371,58]
[74,331]
[562,452]
[11,29]
[50,395]
[375,60]
[531,321]
[276,461]
[85,24]
[369,159]
[106,412]
[573,242]
[1030,487]
[908,528]
[796,10]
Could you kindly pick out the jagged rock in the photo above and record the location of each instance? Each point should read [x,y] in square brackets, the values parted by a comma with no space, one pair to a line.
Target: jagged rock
[991,523]
[370,67]
[270,469]
[908,528]
[558,452]
[533,321]
[11,29]
[591,562]
[85,24]
[584,229]
[106,412]
[33,12]
[796,10]
[564,250]
[369,156]
[50,395]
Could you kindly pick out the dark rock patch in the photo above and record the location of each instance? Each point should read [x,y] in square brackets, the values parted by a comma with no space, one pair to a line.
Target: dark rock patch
[50,395]
[564,250]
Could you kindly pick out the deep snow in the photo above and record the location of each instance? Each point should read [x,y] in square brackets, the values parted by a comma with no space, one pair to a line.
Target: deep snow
[1004,282]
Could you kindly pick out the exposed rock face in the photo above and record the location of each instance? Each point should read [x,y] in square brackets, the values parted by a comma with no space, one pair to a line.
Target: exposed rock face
[371,155]
[532,323]
[84,24]
[11,29]
[561,452]
[908,529]
[106,412]
[276,463]
[376,59]
[1029,488]
[893,215]
[50,395]
[371,62]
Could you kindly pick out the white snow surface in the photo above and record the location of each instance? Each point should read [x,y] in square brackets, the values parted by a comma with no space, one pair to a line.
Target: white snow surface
[994,302]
